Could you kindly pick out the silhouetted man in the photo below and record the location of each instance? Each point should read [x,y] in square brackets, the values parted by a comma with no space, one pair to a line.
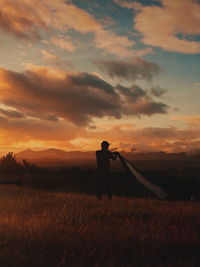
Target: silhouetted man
[103,180]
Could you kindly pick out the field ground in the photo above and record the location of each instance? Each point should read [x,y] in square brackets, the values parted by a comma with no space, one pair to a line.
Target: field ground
[39,228]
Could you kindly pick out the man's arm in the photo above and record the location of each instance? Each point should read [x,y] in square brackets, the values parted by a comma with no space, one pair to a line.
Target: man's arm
[114,155]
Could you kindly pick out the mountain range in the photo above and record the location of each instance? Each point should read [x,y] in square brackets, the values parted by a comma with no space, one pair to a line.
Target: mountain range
[53,153]
[58,154]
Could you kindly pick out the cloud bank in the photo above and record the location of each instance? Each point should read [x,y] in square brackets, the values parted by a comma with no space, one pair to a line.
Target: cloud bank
[49,105]
[169,139]
[30,19]
[170,26]
[77,97]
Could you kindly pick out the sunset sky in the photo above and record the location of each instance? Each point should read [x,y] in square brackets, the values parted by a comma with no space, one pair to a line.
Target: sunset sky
[74,73]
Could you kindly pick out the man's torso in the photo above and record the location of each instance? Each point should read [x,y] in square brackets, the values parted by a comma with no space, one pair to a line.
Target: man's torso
[103,160]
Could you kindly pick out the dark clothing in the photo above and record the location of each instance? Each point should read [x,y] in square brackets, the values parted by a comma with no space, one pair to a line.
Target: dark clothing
[103,160]
[103,186]
[103,180]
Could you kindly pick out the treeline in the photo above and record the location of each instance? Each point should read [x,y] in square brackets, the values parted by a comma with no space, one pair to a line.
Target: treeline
[177,183]
[9,164]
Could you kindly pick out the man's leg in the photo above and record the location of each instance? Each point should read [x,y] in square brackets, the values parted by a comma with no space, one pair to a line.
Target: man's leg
[109,188]
[98,188]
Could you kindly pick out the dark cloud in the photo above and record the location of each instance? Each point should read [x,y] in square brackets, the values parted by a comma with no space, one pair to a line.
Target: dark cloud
[11,113]
[136,101]
[158,91]
[52,118]
[86,79]
[149,107]
[133,93]
[137,68]
[77,97]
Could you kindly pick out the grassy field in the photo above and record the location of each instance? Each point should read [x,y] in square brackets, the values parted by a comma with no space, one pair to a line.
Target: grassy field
[39,228]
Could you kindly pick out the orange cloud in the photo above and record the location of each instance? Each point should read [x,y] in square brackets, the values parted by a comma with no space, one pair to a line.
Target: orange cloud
[26,19]
[49,56]
[27,132]
[162,26]
[63,42]
[53,59]
[191,120]
[128,138]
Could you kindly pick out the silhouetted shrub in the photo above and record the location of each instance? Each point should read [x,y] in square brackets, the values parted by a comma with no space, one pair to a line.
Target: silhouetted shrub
[9,161]
[30,167]
[9,164]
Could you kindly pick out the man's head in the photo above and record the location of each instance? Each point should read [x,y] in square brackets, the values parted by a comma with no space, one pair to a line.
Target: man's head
[104,145]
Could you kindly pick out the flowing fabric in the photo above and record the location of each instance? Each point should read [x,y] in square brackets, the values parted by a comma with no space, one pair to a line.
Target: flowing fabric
[147,185]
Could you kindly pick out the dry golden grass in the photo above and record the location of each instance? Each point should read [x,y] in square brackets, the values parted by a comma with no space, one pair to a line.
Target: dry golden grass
[62,229]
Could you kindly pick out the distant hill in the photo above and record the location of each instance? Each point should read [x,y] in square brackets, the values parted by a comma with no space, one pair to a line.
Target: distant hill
[52,153]
[58,154]
[161,156]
